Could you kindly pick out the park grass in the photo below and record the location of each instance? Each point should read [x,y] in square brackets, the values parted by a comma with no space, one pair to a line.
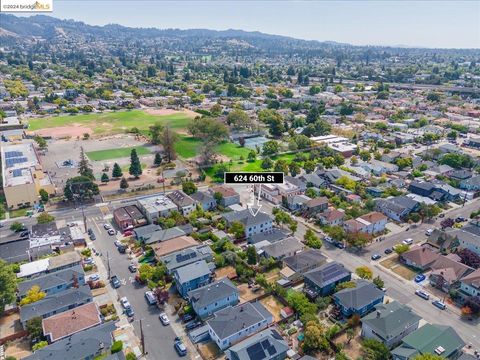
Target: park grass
[113,122]
[18,213]
[187,147]
[116,153]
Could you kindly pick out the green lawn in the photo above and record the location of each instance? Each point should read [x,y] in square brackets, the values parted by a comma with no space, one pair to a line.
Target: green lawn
[116,153]
[18,213]
[113,122]
[187,147]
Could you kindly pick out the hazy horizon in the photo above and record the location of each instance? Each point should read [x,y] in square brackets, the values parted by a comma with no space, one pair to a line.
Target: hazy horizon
[420,24]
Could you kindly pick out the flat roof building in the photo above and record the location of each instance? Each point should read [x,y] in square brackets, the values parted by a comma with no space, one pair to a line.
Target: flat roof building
[155,206]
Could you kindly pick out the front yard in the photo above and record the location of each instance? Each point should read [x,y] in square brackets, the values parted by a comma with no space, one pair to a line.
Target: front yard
[393,263]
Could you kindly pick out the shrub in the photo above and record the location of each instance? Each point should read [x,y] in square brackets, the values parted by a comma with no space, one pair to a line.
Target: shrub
[117,346]
[39,345]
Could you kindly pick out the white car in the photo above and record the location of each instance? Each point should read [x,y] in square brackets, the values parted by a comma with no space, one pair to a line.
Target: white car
[106,227]
[94,277]
[408,241]
[111,232]
[429,232]
[124,302]
[164,319]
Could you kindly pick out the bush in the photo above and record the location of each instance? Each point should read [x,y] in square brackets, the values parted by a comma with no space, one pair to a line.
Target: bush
[130,356]
[87,268]
[117,346]
[39,345]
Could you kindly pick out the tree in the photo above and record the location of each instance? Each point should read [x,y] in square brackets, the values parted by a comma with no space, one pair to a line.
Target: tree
[365,155]
[168,139]
[39,345]
[309,166]
[189,187]
[311,192]
[314,337]
[157,161]
[469,258]
[161,295]
[239,119]
[364,272]
[34,294]
[116,347]
[446,223]
[84,167]
[124,183]
[270,148]
[294,168]
[358,239]
[281,166]
[312,240]
[237,229]
[428,211]
[80,187]
[218,197]
[252,155]
[428,356]
[374,350]
[116,171]
[251,255]
[345,285]
[300,303]
[336,232]
[43,195]
[267,163]
[346,182]
[378,282]
[457,161]
[208,129]
[34,327]
[105,179]
[274,120]
[155,132]
[41,142]
[350,334]
[135,166]
[435,97]
[45,218]
[16,226]
[8,285]
[401,248]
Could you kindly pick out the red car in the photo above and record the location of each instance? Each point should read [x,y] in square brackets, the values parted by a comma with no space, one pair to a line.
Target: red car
[128,233]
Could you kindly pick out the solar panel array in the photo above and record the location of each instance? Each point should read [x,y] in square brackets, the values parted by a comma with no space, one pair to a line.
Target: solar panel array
[11,154]
[258,351]
[17,172]
[185,257]
[15,160]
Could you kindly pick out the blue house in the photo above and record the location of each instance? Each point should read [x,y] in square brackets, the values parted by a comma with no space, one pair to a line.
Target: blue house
[359,300]
[322,280]
[191,277]
[213,297]
[53,283]
[205,200]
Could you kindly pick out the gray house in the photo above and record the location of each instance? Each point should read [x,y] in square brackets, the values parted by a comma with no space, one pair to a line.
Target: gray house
[213,297]
[304,261]
[260,223]
[390,323]
[52,283]
[266,345]
[56,303]
[205,200]
[85,344]
[187,256]
[323,280]
[283,248]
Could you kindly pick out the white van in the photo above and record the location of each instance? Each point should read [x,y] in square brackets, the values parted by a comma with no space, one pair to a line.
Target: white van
[152,300]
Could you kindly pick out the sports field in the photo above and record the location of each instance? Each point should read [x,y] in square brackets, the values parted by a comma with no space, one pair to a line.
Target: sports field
[113,122]
[116,153]
[188,147]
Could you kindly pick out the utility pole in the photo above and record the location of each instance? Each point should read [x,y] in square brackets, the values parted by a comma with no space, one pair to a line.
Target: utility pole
[108,265]
[142,338]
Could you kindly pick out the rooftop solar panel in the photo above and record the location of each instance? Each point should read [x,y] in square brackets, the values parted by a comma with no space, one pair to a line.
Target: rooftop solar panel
[255,352]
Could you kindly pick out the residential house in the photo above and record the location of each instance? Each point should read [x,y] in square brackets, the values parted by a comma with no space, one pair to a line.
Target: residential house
[470,284]
[187,256]
[70,322]
[282,249]
[390,323]
[275,192]
[215,296]
[447,271]
[371,223]
[233,324]
[86,344]
[184,202]
[271,236]
[434,339]
[302,262]
[52,283]
[426,189]
[300,184]
[331,216]
[419,257]
[192,276]
[296,202]
[315,206]
[266,345]
[260,223]
[397,208]
[205,200]
[460,174]
[14,250]
[163,235]
[170,246]
[359,300]
[472,184]
[473,142]
[56,303]
[378,167]
[313,180]
[322,281]
[228,195]
[51,264]
[128,217]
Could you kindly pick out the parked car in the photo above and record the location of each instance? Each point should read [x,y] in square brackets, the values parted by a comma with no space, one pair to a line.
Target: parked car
[422,294]
[111,232]
[106,227]
[115,282]
[124,302]
[460,219]
[117,243]
[94,277]
[88,261]
[93,237]
[180,347]
[339,245]
[388,251]
[128,233]
[24,234]
[429,232]
[419,278]
[164,319]
[376,256]
[132,268]
[187,317]
[90,231]
[129,312]
[122,249]
[439,304]
[408,241]
[192,325]
[329,239]
[150,298]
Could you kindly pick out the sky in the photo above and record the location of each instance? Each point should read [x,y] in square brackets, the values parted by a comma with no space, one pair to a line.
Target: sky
[433,24]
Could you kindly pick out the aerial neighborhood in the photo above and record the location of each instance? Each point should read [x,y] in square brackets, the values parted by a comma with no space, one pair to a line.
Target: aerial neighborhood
[121,239]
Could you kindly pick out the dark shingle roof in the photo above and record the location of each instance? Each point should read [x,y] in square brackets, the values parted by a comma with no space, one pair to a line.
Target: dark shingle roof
[51,280]
[246,218]
[362,295]
[305,260]
[327,274]
[210,293]
[192,271]
[265,345]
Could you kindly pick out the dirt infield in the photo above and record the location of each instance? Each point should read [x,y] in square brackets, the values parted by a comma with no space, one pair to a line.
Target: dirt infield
[170,112]
[62,132]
